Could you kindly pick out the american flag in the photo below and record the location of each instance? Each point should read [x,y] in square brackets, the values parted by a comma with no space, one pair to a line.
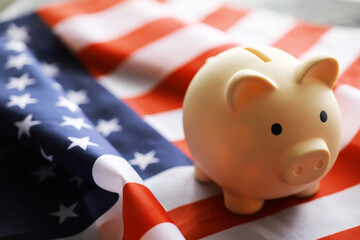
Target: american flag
[92,145]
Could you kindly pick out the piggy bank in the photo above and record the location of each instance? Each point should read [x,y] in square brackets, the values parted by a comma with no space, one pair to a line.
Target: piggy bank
[262,124]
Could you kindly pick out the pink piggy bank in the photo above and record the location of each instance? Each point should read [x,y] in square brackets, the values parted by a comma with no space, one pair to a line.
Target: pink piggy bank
[262,124]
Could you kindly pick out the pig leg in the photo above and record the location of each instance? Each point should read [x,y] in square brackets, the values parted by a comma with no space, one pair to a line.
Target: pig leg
[200,175]
[309,191]
[242,205]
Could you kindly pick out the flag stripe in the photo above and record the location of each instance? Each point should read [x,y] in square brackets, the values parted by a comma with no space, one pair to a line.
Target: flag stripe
[102,58]
[192,11]
[182,145]
[52,15]
[348,99]
[140,209]
[192,218]
[349,234]
[300,38]
[160,58]
[308,219]
[351,75]
[224,17]
[356,141]
[261,27]
[81,31]
[341,43]
[168,124]
[163,231]
[111,172]
[173,87]
[180,181]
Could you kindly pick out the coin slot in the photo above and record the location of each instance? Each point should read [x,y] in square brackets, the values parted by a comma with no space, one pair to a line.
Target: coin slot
[259,54]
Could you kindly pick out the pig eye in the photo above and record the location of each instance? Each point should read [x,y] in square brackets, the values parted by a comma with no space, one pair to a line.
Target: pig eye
[323,116]
[276,129]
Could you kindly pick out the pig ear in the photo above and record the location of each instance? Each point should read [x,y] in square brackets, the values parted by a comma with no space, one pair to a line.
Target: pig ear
[320,68]
[243,85]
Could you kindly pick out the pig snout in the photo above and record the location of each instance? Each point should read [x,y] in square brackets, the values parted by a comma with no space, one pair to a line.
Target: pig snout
[305,162]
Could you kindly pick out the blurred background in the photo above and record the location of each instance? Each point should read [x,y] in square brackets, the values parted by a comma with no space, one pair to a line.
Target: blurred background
[330,12]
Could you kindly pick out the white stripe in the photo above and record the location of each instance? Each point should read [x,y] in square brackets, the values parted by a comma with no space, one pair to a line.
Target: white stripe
[169,124]
[261,27]
[111,173]
[311,220]
[193,11]
[181,187]
[343,43]
[163,231]
[159,58]
[348,98]
[84,29]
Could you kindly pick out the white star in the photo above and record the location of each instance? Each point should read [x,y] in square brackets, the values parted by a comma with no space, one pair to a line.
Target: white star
[143,160]
[77,123]
[18,61]
[81,142]
[65,212]
[21,101]
[44,172]
[16,33]
[107,127]
[47,157]
[20,83]
[78,97]
[50,69]
[25,125]
[16,46]
[64,102]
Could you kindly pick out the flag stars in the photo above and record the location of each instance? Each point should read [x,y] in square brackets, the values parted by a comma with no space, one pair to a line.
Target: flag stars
[143,160]
[25,125]
[83,143]
[15,46]
[17,33]
[77,123]
[50,69]
[20,83]
[78,97]
[64,102]
[107,127]
[44,172]
[65,212]
[18,61]
[44,155]
[21,101]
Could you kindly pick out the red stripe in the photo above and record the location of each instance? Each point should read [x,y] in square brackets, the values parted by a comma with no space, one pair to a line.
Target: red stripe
[182,145]
[141,211]
[355,142]
[58,12]
[224,17]
[206,217]
[300,38]
[169,94]
[352,75]
[350,234]
[102,58]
